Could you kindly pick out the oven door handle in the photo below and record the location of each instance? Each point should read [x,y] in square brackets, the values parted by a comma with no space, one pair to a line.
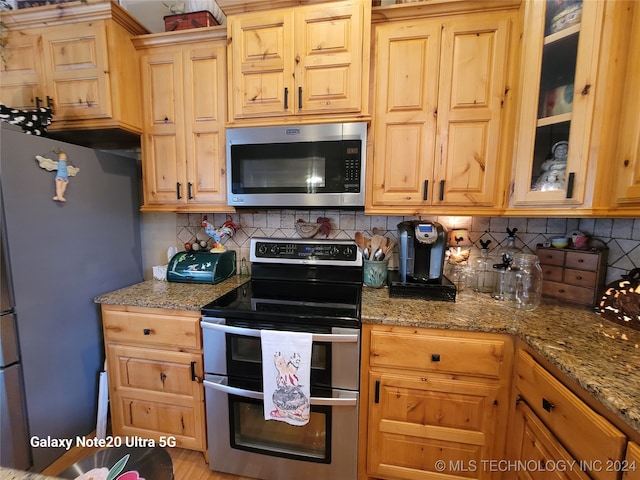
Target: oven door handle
[250,332]
[221,386]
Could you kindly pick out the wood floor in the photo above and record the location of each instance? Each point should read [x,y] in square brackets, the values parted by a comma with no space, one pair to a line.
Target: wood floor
[187,464]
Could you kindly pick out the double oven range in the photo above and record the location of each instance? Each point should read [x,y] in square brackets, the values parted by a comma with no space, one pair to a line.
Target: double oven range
[297,285]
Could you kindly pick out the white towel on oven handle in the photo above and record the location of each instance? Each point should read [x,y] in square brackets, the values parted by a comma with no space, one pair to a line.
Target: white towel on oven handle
[286,375]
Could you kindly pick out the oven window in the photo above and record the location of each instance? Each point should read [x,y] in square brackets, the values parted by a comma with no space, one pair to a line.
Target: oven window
[244,359]
[251,432]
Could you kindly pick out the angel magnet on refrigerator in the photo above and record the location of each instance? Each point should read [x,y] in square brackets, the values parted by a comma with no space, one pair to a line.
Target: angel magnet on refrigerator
[63,172]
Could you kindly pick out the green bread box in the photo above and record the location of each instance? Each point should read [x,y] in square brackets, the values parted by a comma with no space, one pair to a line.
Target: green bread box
[201,267]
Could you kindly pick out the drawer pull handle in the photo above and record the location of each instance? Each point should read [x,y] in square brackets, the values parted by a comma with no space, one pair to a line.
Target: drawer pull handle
[377,392]
[194,377]
[561,290]
[147,331]
[547,405]
[435,357]
[581,260]
[578,277]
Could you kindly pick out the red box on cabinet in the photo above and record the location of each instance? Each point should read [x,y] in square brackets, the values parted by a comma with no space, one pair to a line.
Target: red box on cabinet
[185,21]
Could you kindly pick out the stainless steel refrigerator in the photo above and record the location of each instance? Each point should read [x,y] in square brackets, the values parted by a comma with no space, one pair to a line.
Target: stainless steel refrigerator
[60,256]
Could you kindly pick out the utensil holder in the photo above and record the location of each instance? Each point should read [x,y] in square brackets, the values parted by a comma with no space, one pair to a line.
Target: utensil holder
[375,273]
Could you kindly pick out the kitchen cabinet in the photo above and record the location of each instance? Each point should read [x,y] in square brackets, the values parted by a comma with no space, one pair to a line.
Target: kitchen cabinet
[631,465]
[183,141]
[77,58]
[627,159]
[562,423]
[429,395]
[441,108]
[570,97]
[155,371]
[299,62]
[532,441]
[577,276]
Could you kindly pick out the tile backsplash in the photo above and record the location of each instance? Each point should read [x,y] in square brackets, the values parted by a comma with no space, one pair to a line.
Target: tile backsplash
[622,236]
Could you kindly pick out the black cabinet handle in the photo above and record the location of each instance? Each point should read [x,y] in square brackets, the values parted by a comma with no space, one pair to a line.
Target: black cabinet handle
[377,392]
[570,181]
[49,102]
[190,190]
[146,331]
[585,90]
[425,191]
[441,197]
[193,372]
[435,357]
[286,98]
[178,190]
[299,98]
[38,102]
[547,405]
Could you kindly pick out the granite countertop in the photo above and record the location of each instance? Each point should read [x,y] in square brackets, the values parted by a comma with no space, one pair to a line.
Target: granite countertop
[600,356]
[174,296]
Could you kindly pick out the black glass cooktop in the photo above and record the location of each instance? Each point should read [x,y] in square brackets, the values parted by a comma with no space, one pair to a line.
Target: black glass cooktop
[291,302]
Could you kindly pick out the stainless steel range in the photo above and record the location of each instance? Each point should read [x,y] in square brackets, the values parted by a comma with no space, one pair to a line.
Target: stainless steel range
[297,285]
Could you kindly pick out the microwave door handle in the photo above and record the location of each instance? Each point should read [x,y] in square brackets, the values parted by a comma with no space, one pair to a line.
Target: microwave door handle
[220,385]
[250,332]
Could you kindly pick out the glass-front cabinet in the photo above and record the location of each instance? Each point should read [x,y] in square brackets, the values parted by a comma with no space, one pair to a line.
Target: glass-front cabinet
[559,65]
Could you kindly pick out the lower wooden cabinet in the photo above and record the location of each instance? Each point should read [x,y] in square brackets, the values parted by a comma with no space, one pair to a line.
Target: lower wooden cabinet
[552,423]
[631,465]
[435,403]
[155,371]
[532,441]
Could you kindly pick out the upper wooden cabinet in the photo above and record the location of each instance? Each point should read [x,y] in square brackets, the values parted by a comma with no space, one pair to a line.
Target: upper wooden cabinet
[302,61]
[79,59]
[573,60]
[183,143]
[440,108]
[627,159]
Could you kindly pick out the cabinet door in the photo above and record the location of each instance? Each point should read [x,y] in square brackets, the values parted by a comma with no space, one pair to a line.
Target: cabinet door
[163,153]
[628,158]
[557,99]
[473,71]
[415,421]
[77,67]
[439,90]
[205,89]
[328,58]
[262,59]
[22,76]
[631,465]
[156,393]
[405,106]
[533,444]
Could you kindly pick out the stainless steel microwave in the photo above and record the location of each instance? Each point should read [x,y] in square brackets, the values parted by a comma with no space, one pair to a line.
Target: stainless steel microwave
[319,165]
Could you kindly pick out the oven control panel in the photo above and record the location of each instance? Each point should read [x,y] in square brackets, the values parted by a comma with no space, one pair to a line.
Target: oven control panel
[329,252]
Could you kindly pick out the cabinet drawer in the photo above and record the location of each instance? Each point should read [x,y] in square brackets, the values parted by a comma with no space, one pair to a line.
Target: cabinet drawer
[550,256]
[587,435]
[582,261]
[581,278]
[458,355]
[571,293]
[157,329]
[151,370]
[552,273]
[156,419]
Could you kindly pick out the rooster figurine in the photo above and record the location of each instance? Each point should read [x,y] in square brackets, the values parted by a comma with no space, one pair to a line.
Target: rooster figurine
[227,229]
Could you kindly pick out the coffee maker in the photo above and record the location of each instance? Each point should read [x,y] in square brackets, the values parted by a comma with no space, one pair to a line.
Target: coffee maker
[422,247]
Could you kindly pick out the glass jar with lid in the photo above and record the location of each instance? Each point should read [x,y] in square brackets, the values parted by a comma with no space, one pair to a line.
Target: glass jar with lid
[525,274]
[484,273]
